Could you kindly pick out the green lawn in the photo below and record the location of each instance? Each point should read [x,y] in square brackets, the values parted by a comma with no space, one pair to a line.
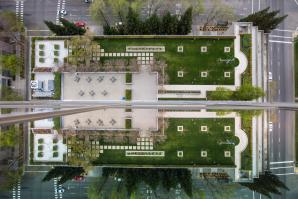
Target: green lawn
[192,62]
[246,49]
[296,66]
[191,141]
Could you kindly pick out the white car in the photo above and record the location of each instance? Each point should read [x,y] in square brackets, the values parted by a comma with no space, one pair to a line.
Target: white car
[270,124]
[63,12]
[270,76]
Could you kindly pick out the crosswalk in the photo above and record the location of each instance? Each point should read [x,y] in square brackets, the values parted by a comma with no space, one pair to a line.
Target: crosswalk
[60,6]
[20,10]
[58,195]
[16,191]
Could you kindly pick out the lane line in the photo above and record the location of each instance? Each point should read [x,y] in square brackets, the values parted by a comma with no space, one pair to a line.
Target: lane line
[296,2]
[284,30]
[284,42]
[283,162]
[280,36]
[283,174]
[282,167]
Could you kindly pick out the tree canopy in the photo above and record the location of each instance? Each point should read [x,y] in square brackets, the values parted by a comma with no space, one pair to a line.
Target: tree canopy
[264,19]
[67,28]
[10,63]
[153,25]
[266,184]
[63,173]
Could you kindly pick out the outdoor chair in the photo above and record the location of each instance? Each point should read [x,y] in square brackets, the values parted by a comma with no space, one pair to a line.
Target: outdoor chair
[100,122]
[113,79]
[88,79]
[92,93]
[104,93]
[81,93]
[100,78]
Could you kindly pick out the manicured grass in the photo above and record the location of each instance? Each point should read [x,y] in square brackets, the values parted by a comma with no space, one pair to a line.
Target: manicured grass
[192,62]
[57,123]
[57,85]
[128,123]
[296,136]
[128,94]
[191,141]
[246,155]
[128,78]
[246,49]
[296,66]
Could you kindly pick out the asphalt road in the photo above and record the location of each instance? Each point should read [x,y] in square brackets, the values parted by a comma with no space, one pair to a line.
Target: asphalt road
[281,139]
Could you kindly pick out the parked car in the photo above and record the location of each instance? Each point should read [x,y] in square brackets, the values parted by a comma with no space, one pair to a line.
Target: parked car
[60,190]
[63,12]
[270,124]
[270,76]
[78,178]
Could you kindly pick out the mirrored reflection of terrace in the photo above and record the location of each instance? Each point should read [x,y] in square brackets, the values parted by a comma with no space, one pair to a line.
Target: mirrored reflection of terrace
[204,141]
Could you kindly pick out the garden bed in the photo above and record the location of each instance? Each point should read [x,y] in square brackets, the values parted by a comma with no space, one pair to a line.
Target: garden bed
[191,141]
[191,61]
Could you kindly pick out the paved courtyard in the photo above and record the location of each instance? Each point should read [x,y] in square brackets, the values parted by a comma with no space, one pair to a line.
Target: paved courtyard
[93,86]
[99,119]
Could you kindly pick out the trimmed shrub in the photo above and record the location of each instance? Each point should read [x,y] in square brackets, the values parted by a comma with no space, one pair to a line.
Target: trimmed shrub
[56,46]
[55,154]
[41,60]
[40,141]
[40,154]
[41,46]
[41,53]
[55,148]
[40,147]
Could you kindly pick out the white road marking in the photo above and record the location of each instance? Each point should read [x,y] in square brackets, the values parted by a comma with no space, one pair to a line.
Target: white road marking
[279,91]
[283,174]
[282,167]
[284,30]
[284,42]
[296,2]
[259,4]
[282,162]
[280,36]
[279,77]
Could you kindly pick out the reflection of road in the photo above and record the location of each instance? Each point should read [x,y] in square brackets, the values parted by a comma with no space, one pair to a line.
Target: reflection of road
[32,187]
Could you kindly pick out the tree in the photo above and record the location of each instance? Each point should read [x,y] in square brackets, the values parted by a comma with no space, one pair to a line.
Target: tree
[10,63]
[10,178]
[97,11]
[9,137]
[220,94]
[57,29]
[82,49]
[218,11]
[81,153]
[169,24]
[248,92]
[153,25]
[63,173]
[264,19]
[71,28]
[8,94]
[67,28]
[184,25]
[266,184]
[10,26]
[132,23]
